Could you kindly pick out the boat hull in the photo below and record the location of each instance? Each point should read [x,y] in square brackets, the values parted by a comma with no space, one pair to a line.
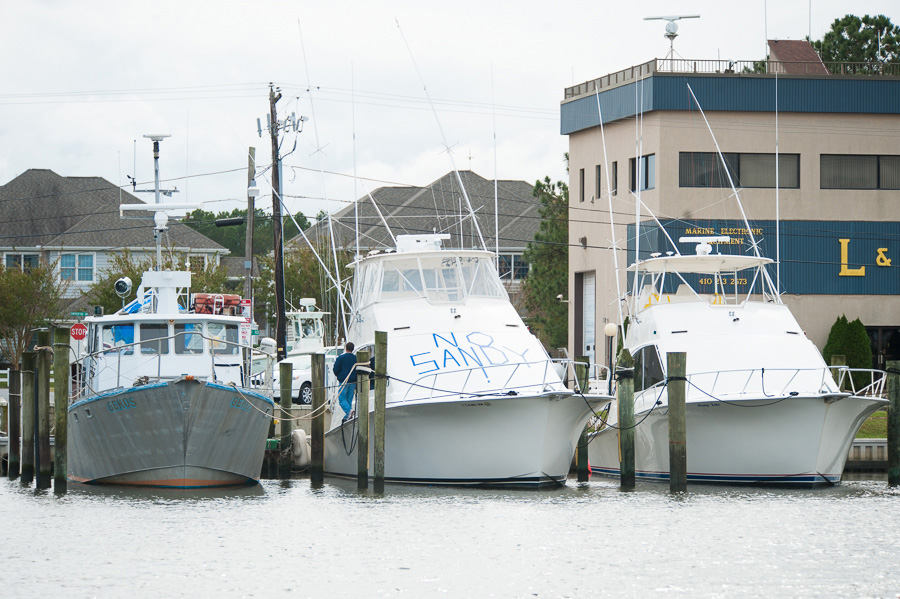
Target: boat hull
[801,441]
[506,442]
[182,434]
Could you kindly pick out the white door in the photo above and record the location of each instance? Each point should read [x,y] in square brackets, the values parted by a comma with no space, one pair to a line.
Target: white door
[588,303]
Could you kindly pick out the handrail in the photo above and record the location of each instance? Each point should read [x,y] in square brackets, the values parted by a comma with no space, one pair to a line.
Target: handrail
[732,67]
[91,360]
[827,384]
[548,376]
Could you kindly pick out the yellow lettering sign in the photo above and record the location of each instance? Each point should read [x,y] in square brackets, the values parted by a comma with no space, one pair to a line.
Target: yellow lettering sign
[845,271]
[882,260]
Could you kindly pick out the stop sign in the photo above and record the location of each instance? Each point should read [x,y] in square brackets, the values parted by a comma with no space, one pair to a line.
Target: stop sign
[78,331]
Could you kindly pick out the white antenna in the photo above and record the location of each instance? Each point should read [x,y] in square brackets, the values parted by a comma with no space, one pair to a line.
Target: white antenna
[444,138]
[671,29]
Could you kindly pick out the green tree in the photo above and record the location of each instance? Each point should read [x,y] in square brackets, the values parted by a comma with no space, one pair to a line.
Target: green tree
[850,340]
[855,39]
[303,277]
[233,237]
[208,279]
[28,299]
[548,271]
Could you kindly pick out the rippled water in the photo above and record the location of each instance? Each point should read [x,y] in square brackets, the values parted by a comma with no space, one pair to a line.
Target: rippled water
[584,540]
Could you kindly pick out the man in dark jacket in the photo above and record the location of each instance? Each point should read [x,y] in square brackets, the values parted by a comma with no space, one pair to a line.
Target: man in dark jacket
[345,370]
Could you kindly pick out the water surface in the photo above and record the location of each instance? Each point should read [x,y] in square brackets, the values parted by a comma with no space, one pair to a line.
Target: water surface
[287,538]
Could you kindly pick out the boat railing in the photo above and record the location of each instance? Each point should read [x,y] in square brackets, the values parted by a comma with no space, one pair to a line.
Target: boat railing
[95,363]
[489,380]
[769,382]
[864,382]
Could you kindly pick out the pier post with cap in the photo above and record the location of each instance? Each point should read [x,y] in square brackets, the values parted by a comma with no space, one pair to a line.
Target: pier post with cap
[893,424]
[29,359]
[317,426]
[582,364]
[285,377]
[61,365]
[42,380]
[14,451]
[380,402]
[625,403]
[362,419]
[677,369]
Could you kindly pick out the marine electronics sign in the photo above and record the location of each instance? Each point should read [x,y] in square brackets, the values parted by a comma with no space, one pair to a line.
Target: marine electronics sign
[817,257]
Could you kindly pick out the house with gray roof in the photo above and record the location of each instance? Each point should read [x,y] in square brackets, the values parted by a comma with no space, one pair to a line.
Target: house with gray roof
[441,207]
[74,222]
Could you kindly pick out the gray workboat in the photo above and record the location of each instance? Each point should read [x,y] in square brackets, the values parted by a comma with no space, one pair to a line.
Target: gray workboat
[162,399]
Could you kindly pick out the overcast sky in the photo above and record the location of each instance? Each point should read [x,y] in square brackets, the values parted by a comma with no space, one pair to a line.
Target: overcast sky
[81,81]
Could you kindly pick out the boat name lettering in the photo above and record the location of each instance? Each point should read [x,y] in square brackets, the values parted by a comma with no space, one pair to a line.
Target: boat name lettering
[125,403]
[239,404]
[477,404]
[480,351]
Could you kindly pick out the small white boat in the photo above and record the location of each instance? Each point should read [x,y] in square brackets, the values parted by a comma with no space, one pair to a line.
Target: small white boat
[472,397]
[761,404]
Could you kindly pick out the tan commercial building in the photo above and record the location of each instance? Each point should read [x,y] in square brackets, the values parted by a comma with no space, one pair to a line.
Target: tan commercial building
[831,216]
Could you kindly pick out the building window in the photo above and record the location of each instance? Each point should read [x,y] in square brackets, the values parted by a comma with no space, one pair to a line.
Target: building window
[848,171]
[197,263]
[513,267]
[704,169]
[76,267]
[581,185]
[597,181]
[614,178]
[647,172]
[22,262]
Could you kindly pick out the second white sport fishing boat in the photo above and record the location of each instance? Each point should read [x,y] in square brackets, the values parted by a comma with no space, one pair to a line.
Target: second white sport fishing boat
[761,404]
[472,397]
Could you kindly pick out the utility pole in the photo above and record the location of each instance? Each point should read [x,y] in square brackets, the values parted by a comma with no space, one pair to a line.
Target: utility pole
[251,208]
[280,334]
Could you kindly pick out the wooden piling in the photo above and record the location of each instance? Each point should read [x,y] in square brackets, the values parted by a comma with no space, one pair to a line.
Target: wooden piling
[14,455]
[677,370]
[44,462]
[29,359]
[362,420]
[582,365]
[285,457]
[317,426]
[381,349]
[625,403]
[838,360]
[893,424]
[61,377]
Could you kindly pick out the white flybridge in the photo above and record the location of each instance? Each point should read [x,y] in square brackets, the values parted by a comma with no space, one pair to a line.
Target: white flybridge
[163,399]
[761,404]
[472,397]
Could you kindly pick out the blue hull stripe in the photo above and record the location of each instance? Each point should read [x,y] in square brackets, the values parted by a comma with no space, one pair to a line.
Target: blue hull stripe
[808,479]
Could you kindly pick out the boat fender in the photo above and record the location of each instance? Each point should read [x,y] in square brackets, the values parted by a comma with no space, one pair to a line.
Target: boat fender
[300,448]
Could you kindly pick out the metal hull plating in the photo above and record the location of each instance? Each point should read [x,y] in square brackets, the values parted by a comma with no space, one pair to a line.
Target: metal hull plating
[511,441]
[182,434]
[800,441]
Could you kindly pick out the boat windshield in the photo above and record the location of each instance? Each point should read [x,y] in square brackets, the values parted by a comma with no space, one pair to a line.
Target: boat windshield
[309,327]
[440,279]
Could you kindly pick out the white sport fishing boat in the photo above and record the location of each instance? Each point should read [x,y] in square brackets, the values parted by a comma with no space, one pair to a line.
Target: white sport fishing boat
[164,399]
[472,397]
[761,404]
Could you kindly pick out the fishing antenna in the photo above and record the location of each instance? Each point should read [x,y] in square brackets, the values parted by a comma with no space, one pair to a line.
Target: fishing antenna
[734,190]
[612,228]
[443,137]
[321,168]
[391,233]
